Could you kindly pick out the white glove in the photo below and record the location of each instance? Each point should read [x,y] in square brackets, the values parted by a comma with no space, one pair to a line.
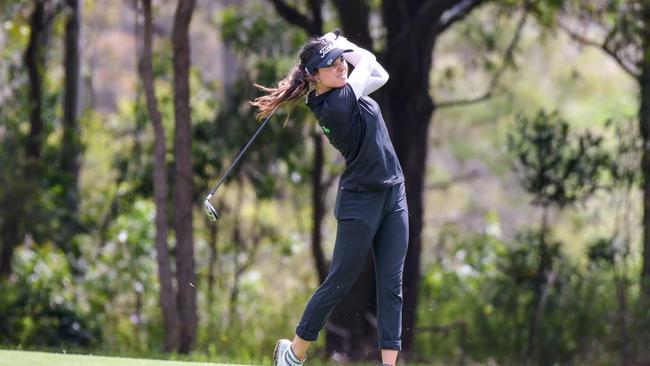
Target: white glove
[342,42]
[357,52]
[329,37]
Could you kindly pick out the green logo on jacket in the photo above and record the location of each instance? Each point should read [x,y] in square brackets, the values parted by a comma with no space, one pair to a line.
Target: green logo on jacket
[325,129]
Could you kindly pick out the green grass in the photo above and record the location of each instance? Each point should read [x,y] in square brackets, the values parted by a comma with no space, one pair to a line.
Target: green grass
[22,358]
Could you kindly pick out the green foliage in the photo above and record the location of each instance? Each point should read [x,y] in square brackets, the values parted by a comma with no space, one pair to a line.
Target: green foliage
[40,202]
[486,37]
[120,281]
[476,304]
[626,157]
[603,253]
[253,30]
[11,153]
[476,298]
[264,46]
[621,23]
[546,11]
[39,307]
[485,297]
[556,168]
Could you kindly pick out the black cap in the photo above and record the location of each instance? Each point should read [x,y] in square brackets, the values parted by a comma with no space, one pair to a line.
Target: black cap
[324,57]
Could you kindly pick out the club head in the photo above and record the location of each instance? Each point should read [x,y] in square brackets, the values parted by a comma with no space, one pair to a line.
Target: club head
[212,212]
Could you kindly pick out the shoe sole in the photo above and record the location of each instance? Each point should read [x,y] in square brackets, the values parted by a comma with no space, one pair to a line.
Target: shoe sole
[275,353]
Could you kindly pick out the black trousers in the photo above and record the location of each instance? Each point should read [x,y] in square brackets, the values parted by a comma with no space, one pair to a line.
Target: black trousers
[369,220]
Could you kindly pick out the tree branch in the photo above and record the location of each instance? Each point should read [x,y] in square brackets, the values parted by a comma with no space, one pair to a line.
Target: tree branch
[315,7]
[431,9]
[453,15]
[295,17]
[329,179]
[507,61]
[354,17]
[56,9]
[603,46]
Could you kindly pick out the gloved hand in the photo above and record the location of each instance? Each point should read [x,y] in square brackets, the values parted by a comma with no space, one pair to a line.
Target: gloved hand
[329,37]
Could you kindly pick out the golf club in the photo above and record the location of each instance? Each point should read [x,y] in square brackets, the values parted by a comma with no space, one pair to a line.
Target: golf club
[212,212]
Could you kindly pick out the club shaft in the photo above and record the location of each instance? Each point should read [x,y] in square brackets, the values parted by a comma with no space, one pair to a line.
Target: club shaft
[234,163]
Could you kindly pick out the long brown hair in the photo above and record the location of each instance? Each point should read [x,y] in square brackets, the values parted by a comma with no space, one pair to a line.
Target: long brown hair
[293,87]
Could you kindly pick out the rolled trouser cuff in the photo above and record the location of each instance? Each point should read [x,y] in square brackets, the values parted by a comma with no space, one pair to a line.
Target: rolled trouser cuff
[307,335]
[394,345]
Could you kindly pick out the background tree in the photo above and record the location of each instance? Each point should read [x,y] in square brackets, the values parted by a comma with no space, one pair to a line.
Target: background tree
[312,25]
[350,327]
[276,167]
[620,29]
[615,252]
[27,194]
[480,259]
[167,294]
[411,31]
[186,276]
[71,147]
[557,170]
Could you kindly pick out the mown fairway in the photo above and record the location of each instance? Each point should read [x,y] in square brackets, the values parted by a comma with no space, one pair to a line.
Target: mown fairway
[21,358]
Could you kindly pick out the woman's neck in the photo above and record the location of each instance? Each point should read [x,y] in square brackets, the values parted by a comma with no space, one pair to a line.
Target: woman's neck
[320,89]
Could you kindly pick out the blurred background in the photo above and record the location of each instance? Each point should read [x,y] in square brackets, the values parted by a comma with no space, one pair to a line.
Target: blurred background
[520,126]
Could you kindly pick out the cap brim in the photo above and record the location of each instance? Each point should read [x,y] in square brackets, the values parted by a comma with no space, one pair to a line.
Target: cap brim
[331,56]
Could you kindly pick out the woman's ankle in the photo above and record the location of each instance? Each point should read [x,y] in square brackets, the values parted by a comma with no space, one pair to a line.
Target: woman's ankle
[301,356]
[299,347]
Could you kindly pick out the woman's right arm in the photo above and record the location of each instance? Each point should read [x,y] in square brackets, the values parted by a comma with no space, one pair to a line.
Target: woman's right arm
[368,75]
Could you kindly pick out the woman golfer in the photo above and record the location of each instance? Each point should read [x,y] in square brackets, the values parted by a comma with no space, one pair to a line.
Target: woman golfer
[371,208]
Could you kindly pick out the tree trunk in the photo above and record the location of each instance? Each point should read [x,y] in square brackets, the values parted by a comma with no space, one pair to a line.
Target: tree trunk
[238,251]
[348,328]
[183,177]
[355,18]
[644,122]
[533,354]
[71,140]
[621,282]
[10,238]
[412,151]
[167,296]
[412,28]
[408,110]
[35,60]
[231,67]
[318,205]
[352,326]
[212,269]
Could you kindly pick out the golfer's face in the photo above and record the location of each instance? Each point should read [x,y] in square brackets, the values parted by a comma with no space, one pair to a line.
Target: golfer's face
[334,76]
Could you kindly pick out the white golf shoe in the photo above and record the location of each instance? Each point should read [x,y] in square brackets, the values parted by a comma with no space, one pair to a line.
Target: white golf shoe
[283,355]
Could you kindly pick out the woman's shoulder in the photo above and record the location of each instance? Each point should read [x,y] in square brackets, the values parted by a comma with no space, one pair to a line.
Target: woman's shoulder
[334,105]
[341,97]
[331,98]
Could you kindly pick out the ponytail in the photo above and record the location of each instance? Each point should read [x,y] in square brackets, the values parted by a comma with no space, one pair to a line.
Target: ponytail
[293,87]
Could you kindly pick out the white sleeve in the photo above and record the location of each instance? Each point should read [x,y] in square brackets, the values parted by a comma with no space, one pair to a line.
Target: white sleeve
[368,75]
